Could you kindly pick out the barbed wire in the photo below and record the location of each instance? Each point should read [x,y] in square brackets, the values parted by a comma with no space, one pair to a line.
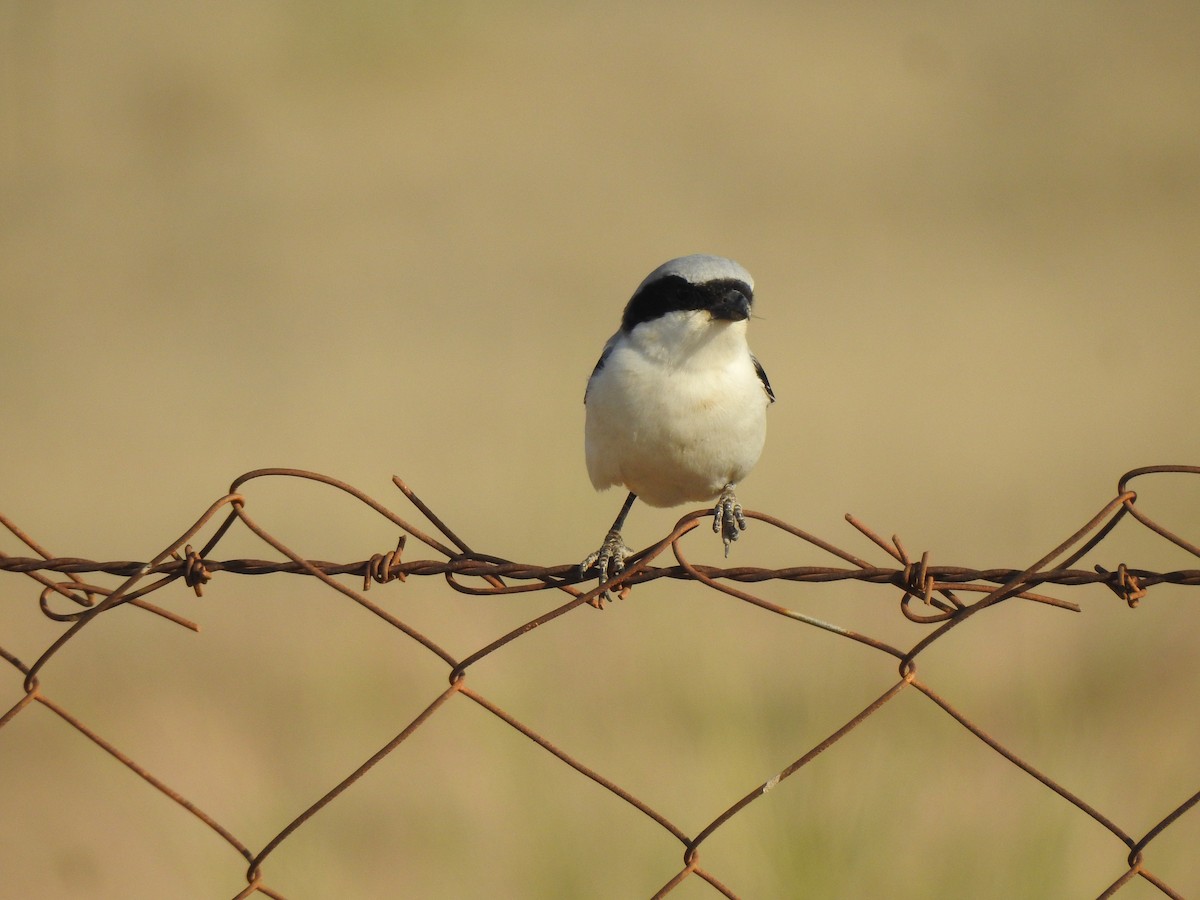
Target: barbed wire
[930,595]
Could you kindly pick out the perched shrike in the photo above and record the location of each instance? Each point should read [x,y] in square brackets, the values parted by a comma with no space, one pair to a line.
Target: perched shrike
[677,404]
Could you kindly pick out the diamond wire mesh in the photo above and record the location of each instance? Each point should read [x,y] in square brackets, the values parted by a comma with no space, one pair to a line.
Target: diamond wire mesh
[933,596]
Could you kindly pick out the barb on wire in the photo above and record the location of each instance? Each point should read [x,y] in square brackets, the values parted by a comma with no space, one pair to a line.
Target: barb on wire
[928,594]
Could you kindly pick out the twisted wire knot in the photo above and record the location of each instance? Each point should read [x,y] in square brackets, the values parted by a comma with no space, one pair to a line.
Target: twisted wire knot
[1124,584]
[195,572]
[380,565]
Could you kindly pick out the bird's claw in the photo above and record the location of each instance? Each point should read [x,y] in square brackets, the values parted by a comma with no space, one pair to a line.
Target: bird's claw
[608,561]
[728,520]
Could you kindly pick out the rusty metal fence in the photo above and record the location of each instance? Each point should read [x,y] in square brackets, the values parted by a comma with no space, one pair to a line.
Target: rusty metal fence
[938,597]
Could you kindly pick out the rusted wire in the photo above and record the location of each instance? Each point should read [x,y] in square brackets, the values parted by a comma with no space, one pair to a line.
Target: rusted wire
[927,594]
[942,578]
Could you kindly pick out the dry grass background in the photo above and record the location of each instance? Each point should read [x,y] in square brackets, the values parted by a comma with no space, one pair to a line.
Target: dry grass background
[374,238]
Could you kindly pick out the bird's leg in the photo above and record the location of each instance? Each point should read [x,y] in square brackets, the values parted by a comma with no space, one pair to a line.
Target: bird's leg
[609,560]
[728,520]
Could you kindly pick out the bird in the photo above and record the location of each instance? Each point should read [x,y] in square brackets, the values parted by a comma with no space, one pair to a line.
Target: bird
[676,406]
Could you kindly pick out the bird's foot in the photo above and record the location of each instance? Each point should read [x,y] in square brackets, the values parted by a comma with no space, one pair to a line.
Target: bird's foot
[608,561]
[728,520]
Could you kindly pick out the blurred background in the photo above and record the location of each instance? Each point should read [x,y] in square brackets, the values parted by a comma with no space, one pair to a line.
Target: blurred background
[376,238]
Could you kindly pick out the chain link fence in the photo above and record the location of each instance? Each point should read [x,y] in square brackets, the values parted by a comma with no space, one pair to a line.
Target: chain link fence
[938,598]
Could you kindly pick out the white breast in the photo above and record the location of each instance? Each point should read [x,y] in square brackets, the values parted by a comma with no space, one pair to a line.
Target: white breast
[677,411]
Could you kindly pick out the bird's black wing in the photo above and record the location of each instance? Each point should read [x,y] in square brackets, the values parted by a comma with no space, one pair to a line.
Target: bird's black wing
[762,376]
[604,354]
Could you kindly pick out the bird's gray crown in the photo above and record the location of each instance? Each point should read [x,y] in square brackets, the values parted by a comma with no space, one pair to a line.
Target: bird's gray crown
[699,268]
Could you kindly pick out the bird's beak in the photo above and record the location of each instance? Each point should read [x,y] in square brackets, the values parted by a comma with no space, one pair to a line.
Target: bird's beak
[733,307]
